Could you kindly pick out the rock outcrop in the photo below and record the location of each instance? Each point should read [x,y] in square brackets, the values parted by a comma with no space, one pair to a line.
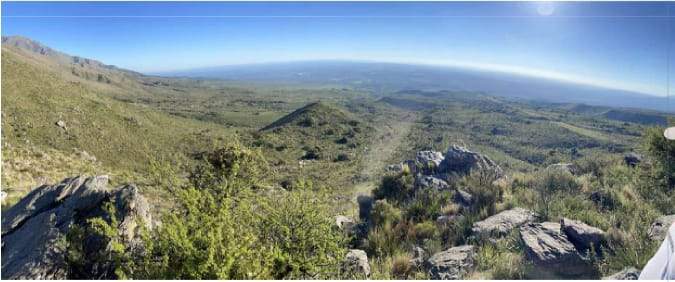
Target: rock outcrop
[582,235]
[552,253]
[356,263]
[659,229]
[628,273]
[459,160]
[502,223]
[33,229]
[451,264]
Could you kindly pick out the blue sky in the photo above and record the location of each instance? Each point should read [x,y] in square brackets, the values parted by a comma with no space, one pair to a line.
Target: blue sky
[619,45]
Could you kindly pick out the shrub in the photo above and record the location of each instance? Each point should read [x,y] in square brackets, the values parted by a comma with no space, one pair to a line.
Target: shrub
[396,188]
[384,213]
[401,268]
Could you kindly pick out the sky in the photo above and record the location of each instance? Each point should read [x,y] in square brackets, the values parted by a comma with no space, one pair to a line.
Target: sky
[621,45]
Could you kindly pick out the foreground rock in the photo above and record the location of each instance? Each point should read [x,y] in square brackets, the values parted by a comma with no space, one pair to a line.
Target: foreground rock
[451,264]
[582,235]
[659,229]
[552,253]
[459,160]
[502,223]
[628,273]
[356,263]
[34,228]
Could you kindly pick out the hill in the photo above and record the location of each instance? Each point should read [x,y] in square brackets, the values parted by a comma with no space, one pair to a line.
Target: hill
[49,110]
[313,114]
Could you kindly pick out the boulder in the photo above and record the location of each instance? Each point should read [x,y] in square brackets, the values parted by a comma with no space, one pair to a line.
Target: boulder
[502,223]
[34,228]
[419,256]
[552,253]
[628,273]
[566,167]
[431,182]
[451,264]
[582,235]
[632,159]
[356,263]
[659,229]
[459,160]
[463,198]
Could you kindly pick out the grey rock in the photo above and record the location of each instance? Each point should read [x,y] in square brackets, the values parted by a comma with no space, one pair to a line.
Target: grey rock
[502,223]
[447,219]
[459,160]
[463,198]
[429,160]
[628,273]
[659,229]
[419,256]
[431,182]
[582,235]
[632,159]
[565,167]
[344,223]
[356,262]
[451,264]
[61,124]
[33,228]
[551,252]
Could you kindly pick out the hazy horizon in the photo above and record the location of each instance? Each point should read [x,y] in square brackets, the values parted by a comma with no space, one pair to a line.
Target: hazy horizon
[624,46]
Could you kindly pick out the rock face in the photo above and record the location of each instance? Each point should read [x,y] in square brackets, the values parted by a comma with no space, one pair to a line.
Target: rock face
[659,229]
[582,235]
[571,168]
[628,273]
[431,182]
[551,252]
[502,223]
[451,264]
[33,228]
[356,262]
[459,160]
[632,159]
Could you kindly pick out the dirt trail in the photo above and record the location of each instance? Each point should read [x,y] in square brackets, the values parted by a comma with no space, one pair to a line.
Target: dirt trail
[389,137]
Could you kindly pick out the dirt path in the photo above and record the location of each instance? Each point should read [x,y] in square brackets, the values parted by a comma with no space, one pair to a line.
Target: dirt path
[389,137]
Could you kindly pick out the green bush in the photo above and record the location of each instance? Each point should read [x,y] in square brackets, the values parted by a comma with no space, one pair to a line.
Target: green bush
[397,188]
